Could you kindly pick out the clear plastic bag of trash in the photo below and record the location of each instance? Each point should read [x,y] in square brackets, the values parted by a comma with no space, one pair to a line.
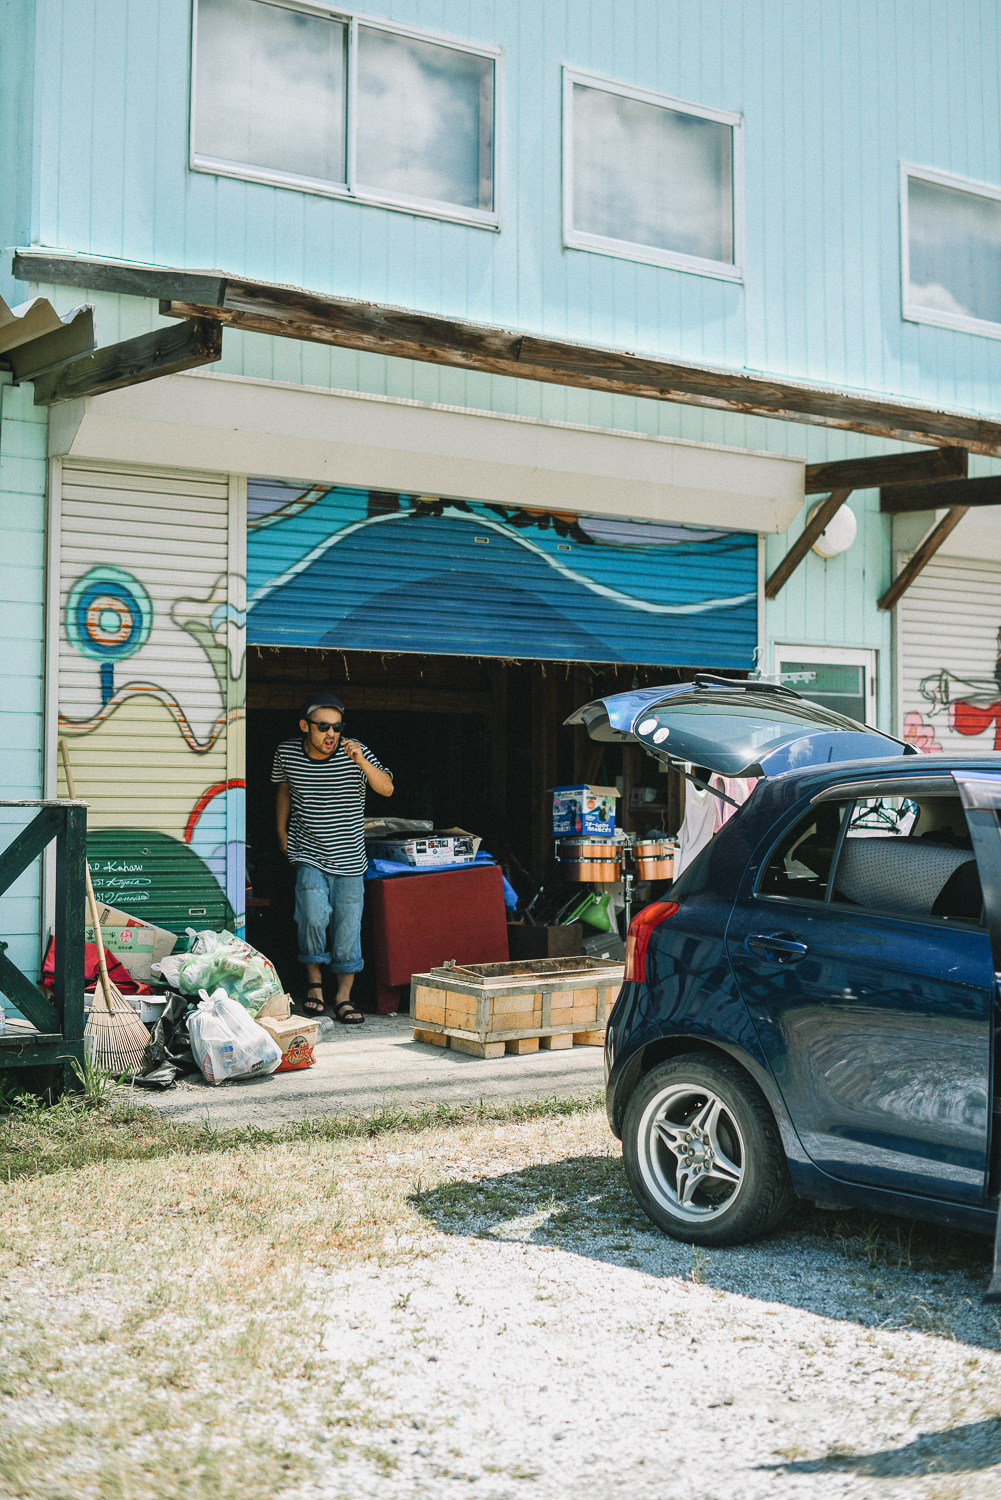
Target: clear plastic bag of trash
[219,960]
[226,1043]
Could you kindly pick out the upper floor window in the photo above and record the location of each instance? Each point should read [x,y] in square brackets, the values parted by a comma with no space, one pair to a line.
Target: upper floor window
[951,238]
[650,178]
[322,101]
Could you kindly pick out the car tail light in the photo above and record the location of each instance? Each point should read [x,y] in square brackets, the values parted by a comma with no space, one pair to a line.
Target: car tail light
[640,928]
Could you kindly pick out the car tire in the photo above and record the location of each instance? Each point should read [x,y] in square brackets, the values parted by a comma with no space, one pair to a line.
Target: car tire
[702,1152]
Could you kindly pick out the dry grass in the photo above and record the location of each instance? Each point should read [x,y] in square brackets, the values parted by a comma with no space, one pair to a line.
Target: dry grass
[162,1287]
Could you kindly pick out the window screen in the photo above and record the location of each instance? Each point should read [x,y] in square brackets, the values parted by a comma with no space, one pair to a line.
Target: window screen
[954,245]
[276,93]
[270,88]
[650,175]
[425,120]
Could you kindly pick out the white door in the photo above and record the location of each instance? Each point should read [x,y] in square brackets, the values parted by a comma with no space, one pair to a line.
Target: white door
[839,678]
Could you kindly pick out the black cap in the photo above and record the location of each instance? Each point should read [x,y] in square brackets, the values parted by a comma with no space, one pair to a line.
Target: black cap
[320,700]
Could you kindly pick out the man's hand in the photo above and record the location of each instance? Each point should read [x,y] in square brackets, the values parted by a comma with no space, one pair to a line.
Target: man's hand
[379,781]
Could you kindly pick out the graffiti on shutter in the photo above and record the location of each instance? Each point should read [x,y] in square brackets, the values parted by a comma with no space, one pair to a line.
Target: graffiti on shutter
[152,689]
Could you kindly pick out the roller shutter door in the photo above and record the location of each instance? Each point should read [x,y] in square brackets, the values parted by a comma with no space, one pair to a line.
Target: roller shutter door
[151,688]
[363,570]
[948,644]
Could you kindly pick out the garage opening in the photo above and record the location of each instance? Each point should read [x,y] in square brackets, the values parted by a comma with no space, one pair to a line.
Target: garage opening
[460,635]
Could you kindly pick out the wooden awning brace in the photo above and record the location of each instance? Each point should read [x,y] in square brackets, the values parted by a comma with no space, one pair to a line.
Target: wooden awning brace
[205,302]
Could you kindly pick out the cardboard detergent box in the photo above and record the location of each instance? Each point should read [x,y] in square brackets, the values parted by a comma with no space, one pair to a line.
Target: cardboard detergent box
[132,946]
[296,1037]
[163,941]
[583,809]
[442,846]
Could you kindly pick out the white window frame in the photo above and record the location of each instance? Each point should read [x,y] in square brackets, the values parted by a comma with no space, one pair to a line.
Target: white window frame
[912,312]
[578,239]
[351,190]
[835,656]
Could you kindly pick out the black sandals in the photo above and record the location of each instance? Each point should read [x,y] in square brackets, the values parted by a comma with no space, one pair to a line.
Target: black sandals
[345,1012]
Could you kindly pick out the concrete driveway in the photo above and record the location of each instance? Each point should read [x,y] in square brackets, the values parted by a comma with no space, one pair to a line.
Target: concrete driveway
[359,1068]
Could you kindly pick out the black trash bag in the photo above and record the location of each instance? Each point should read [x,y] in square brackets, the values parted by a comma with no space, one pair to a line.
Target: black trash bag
[170,1046]
[162,1077]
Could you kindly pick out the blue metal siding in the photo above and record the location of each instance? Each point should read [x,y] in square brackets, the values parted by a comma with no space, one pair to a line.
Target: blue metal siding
[359,570]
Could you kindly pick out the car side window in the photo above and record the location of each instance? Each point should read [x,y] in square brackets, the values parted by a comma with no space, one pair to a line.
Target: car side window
[909,857]
[800,864]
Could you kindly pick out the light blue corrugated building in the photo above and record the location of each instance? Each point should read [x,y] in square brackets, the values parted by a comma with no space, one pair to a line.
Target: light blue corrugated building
[804,195]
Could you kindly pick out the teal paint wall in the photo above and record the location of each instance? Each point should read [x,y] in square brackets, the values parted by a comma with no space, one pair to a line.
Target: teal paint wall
[23,432]
[17,81]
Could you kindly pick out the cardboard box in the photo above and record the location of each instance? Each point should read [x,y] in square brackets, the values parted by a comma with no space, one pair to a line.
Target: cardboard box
[132,946]
[446,846]
[564,941]
[278,1008]
[583,809]
[296,1037]
[163,941]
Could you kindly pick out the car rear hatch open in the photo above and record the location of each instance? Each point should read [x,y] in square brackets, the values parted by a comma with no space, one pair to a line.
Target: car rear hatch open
[735,728]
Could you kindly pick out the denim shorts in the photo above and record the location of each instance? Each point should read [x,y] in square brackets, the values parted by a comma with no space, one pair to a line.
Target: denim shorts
[329,904]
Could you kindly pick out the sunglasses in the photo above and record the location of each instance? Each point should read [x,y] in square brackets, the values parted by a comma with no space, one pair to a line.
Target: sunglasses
[327,728]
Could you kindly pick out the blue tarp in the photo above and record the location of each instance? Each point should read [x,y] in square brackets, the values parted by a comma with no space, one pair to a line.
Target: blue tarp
[378,869]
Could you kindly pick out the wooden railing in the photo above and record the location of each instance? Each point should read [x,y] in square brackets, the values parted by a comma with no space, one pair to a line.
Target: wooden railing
[54,1035]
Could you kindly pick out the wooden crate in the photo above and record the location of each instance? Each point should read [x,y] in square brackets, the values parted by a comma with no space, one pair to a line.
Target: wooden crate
[487,1009]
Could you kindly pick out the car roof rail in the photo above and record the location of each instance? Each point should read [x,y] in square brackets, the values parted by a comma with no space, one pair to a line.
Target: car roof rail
[743,685]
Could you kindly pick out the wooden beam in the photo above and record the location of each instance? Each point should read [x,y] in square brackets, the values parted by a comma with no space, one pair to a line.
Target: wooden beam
[289,312]
[898,499]
[163,352]
[805,541]
[922,556]
[887,469]
[127,279]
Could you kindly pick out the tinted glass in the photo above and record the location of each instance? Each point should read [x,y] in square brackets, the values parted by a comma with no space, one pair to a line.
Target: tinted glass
[800,863]
[425,120]
[909,858]
[651,176]
[270,88]
[832,685]
[730,731]
[955,251]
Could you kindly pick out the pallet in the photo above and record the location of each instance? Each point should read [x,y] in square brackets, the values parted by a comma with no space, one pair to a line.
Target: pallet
[486,1010]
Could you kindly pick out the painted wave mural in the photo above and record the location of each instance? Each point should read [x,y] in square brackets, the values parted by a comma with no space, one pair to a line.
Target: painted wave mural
[365,570]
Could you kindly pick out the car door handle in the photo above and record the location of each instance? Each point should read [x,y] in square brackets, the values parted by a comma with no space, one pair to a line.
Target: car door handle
[775,947]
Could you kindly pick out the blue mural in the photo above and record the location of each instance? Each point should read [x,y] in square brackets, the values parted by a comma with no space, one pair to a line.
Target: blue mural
[366,571]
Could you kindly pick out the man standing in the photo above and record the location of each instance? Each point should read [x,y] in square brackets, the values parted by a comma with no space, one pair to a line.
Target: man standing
[321,781]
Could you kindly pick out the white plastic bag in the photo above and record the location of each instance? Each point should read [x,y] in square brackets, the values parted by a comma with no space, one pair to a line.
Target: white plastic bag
[226,1043]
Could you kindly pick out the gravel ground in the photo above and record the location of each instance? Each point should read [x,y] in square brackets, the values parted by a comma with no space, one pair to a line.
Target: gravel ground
[625,1364]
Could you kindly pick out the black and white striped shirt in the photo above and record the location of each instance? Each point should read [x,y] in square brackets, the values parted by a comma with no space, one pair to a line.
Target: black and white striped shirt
[327,823]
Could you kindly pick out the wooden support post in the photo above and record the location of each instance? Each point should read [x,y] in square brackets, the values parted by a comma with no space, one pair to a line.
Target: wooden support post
[498,738]
[825,512]
[922,556]
[197,341]
[543,768]
[70,921]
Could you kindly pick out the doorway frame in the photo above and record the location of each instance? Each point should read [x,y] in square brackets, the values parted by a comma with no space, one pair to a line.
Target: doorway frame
[865,657]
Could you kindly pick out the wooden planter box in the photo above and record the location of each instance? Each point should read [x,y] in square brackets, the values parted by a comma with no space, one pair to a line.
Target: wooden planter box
[487,1009]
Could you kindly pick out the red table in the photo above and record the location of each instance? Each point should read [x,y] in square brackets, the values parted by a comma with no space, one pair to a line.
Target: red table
[418,921]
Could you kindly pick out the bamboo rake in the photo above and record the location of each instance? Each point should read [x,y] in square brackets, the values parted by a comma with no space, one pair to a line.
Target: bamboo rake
[118,1040]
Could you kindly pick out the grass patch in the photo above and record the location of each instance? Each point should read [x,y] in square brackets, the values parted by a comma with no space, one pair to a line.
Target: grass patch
[165,1288]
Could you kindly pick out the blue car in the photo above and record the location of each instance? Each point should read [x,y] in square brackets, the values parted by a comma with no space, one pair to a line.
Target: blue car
[812,1012]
